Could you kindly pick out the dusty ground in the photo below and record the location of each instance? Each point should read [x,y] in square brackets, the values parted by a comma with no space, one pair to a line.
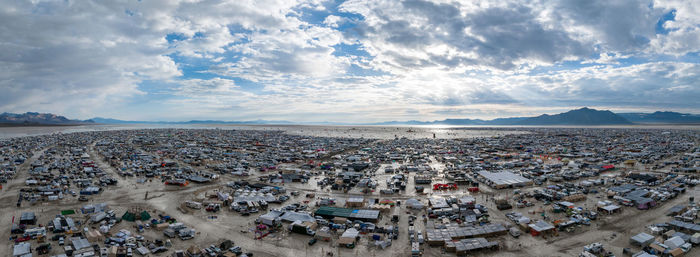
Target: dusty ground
[614,231]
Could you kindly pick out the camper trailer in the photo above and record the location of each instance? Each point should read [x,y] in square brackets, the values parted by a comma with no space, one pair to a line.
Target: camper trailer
[193,205]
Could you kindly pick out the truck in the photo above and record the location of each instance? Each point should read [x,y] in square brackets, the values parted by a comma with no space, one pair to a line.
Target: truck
[502,204]
[297,227]
[415,250]
[98,217]
[695,239]
[514,232]
[169,233]
[35,232]
[186,234]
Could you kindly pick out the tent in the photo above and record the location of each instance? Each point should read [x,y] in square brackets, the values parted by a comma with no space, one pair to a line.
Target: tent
[145,216]
[128,216]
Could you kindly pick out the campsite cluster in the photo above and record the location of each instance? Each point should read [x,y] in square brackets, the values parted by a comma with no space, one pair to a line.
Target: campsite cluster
[217,192]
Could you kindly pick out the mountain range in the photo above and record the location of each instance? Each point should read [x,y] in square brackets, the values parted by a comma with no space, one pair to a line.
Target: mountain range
[35,118]
[584,116]
[662,117]
[252,122]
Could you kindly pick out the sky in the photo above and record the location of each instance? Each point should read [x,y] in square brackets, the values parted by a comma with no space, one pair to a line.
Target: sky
[346,61]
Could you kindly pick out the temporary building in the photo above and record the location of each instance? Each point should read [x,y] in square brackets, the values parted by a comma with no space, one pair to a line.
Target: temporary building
[27,218]
[291,216]
[349,236]
[504,179]
[684,226]
[80,243]
[355,202]
[323,234]
[674,242]
[610,209]
[540,227]
[354,214]
[270,218]
[642,239]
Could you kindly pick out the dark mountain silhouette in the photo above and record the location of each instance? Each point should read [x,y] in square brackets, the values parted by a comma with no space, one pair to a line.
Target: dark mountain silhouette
[35,118]
[583,116]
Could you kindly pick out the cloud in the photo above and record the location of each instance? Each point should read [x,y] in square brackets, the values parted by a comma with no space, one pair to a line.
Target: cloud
[413,34]
[352,61]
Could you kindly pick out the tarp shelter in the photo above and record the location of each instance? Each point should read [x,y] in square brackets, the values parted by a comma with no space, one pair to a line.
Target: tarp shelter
[22,249]
[684,226]
[642,239]
[80,243]
[270,218]
[291,216]
[504,179]
[610,209]
[354,214]
[674,242]
[414,204]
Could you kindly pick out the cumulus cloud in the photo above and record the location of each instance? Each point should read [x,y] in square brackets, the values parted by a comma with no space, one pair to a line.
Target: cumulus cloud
[352,61]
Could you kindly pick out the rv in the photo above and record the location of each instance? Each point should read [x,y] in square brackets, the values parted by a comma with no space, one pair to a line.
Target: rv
[193,205]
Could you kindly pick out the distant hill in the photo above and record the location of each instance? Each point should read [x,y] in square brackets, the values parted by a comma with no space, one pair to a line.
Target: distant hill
[35,118]
[583,116]
[456,122]
[254,122]
[662,118]
[114,121]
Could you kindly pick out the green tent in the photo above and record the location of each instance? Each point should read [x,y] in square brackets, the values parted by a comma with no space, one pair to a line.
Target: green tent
[145,216]
[67,212]
[128,216]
